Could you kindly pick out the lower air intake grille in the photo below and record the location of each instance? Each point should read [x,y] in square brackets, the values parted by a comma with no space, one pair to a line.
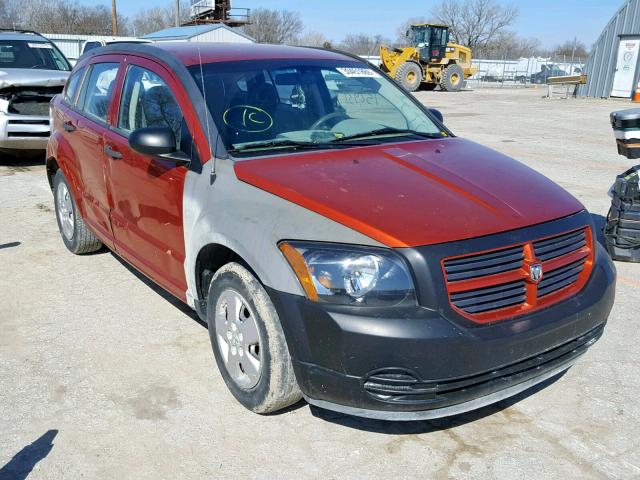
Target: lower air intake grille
[390,383]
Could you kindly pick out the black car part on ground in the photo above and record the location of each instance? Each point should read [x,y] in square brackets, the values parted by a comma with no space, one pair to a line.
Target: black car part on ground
[622,229]
[29,100]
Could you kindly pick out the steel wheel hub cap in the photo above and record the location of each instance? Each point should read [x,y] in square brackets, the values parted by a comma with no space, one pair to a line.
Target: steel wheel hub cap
[65,211]
[238,339]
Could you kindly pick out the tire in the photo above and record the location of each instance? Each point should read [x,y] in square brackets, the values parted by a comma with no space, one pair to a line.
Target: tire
[74,232]
[409,76]
[256,337]
[452,78]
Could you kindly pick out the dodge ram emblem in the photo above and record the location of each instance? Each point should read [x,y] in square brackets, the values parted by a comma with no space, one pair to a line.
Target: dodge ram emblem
[535,272]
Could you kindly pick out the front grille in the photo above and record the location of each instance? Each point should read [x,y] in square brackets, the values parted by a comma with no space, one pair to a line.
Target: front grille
[484,264]
[28,134]
[399,386]
[495,285]
[491,298]
[30,107]
[560,245]
[28,122]
[560,278]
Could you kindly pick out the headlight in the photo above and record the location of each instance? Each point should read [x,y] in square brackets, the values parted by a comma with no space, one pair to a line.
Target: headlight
[350,275]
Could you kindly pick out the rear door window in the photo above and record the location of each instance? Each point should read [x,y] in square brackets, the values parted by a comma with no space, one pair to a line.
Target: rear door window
[98,90]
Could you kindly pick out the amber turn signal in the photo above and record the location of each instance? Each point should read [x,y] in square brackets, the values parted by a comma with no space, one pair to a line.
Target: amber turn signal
[299,267]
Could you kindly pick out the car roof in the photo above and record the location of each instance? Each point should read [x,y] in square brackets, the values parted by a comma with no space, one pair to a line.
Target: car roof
[190,53]
[30,37]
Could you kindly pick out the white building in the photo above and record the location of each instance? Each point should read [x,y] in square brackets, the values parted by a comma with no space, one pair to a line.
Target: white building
[215,32]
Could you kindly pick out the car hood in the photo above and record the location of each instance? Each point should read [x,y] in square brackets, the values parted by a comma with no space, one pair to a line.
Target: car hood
[16,78]
[414,193]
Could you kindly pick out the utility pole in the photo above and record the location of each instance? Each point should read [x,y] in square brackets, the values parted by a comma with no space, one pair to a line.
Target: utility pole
[114,18]
[177,13]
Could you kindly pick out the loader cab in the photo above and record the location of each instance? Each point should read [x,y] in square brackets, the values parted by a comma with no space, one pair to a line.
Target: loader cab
[430,40]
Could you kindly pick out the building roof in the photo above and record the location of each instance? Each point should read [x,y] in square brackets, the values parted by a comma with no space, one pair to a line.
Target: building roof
[601,63]
[184,33]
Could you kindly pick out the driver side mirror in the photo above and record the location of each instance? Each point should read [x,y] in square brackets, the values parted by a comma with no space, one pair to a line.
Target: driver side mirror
[437,113]
[157,142]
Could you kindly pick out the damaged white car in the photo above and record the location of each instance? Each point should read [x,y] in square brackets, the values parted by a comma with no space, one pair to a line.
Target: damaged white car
[32,71]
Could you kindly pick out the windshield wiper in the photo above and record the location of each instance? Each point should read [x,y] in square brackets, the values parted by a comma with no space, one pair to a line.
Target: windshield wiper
[285,142]
[387,131]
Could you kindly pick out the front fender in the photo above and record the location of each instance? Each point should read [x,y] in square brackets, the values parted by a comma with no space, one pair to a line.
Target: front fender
[251,223]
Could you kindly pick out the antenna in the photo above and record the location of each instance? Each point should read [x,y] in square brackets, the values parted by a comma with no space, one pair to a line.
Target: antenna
[206,106]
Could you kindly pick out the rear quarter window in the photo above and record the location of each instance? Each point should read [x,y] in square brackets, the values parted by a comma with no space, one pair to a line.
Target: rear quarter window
[73,85]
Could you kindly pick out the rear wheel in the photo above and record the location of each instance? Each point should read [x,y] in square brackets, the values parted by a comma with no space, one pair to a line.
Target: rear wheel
[75,234]
[452,78]
[248,341]
[409,76]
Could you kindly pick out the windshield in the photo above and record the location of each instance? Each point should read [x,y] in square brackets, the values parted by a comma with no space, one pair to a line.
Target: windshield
[31,54]
[262,106]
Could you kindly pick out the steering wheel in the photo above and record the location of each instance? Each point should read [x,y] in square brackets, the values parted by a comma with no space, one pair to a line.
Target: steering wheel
[325,118]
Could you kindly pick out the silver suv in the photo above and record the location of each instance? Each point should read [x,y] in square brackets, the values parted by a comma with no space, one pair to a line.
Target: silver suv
[32,71]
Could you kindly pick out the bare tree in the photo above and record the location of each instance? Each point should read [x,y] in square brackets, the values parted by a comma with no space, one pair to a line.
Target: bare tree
[572,48]
[313,39]
[401,32]
[362,44]
[9,13]
[274,26]
[59,16]
[156,18]
[475,23]
[507,45]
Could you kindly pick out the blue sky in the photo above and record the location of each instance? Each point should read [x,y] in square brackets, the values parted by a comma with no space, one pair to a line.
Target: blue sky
[552,21]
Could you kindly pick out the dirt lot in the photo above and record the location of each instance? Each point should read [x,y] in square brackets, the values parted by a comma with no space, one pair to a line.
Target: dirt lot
[121,379]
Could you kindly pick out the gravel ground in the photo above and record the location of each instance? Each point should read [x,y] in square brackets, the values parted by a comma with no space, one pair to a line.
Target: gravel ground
[102,375]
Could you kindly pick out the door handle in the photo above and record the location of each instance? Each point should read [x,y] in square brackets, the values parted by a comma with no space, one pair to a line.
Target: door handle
[112,153]
[68,126]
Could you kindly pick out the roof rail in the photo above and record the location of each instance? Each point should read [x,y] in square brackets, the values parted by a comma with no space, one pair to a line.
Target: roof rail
[21,30]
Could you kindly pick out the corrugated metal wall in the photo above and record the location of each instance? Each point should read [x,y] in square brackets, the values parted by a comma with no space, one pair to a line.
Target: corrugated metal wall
[220,35]
[601,64]
[71,45]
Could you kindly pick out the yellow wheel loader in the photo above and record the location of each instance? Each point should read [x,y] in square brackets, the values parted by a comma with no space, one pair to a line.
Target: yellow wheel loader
[429,62]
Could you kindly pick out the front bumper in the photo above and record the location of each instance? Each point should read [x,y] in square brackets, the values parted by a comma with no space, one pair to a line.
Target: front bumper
[417,362]
[24,132]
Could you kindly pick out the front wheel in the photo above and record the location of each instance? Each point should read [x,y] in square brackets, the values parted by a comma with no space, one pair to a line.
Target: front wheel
[452,78]
[409,76]
[75,234]
[248,341]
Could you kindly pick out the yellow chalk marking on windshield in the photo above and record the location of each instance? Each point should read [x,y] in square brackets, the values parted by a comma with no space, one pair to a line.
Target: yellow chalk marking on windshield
[250,120]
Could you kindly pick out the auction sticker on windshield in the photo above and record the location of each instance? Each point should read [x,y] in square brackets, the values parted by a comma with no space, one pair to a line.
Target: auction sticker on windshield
[355,72]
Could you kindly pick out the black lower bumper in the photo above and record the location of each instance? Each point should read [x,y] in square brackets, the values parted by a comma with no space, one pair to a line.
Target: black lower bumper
[416,362]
